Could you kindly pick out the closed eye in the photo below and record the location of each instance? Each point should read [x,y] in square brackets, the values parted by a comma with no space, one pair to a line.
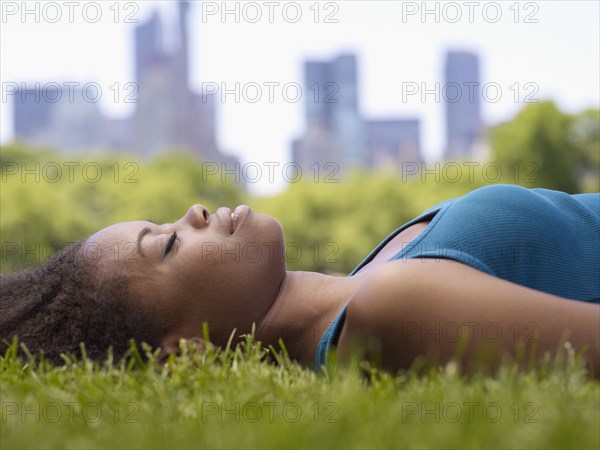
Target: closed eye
[170,243]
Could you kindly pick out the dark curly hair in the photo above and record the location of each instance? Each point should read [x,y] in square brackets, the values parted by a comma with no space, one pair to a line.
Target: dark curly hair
[54,307]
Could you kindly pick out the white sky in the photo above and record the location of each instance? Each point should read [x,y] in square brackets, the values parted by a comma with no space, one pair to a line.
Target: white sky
[560,54]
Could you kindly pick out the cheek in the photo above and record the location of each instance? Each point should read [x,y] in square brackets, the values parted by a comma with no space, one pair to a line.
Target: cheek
[161,299]
[232,259]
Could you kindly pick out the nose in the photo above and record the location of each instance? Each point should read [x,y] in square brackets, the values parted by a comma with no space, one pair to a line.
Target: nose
[197,216]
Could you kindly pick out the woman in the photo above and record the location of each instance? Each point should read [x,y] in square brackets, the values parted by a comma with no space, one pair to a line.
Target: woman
[498,266]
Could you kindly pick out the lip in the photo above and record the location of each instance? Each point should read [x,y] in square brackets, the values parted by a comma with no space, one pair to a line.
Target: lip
[224,215]
[238,216]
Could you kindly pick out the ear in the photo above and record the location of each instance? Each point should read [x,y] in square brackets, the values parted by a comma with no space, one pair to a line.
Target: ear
[172,347]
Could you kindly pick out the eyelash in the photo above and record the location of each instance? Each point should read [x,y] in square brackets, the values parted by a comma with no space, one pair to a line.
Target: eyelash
[171,243]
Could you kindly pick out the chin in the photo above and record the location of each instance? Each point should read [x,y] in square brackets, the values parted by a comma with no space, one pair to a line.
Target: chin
[264,232]
[264,228]
[270,232]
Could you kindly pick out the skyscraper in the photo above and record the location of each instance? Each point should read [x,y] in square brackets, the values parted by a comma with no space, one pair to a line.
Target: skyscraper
[148,45]
[334,128]
[347,122]
[168,114]
[463,104]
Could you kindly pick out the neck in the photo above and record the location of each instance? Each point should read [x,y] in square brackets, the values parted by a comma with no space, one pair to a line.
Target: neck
[305,306]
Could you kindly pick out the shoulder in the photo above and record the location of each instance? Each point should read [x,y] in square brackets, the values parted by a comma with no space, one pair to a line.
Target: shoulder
[399,288]
[429,294]
[393,294]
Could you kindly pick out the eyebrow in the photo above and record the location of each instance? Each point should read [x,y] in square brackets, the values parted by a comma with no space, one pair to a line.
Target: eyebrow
[144,231]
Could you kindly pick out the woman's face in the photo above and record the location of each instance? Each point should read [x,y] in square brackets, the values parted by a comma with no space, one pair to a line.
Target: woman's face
[225,269]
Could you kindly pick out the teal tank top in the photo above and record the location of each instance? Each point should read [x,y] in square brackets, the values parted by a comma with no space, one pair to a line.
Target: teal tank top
[539,238]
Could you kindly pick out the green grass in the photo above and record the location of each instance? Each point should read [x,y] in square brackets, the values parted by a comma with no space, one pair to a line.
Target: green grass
[212,400]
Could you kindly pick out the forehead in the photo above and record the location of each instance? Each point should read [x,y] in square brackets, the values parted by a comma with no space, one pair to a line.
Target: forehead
[118,232]
[114,250]
[116,244]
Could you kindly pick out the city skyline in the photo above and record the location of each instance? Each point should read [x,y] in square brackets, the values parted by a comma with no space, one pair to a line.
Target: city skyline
[169,115]
[391,55]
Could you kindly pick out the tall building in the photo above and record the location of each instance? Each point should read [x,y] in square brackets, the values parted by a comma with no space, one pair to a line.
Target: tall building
[335,129]
[148,45]
[168,114]
[463,104]
[347,122]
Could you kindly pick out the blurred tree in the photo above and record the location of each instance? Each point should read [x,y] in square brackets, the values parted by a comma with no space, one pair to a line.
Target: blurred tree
[549,149]
[585,135]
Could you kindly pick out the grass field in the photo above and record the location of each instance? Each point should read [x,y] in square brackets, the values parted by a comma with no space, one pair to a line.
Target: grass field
[234,399]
